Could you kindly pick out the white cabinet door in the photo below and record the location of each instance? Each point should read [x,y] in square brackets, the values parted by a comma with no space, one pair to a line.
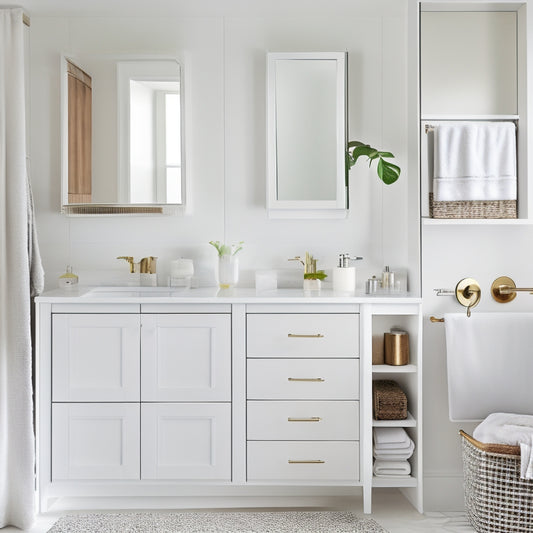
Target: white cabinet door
[96,357]
[95,441]
[186,357]
[186,441]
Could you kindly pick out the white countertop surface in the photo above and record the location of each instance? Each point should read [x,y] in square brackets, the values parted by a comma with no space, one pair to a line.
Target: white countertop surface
[102,294]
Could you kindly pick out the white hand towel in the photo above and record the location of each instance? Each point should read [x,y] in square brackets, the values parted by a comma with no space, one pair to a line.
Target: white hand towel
[391,468]
[390,436]
[474,161]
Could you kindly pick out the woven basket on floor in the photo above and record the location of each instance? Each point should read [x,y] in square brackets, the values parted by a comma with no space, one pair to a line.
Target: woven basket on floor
[388,400]
[472,209]
[496,499]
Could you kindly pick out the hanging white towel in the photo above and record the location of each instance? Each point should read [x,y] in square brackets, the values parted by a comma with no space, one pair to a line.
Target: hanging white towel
[391,468]
[488,356]
[474,161]
[513,429]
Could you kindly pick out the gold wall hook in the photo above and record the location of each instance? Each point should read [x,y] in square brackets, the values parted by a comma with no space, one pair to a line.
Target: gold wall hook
[468,293]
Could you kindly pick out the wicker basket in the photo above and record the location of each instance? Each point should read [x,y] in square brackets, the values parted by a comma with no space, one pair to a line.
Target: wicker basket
[389,400]
[496,499]
[472,209]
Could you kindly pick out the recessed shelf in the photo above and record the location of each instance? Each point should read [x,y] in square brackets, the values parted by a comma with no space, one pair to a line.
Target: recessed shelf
[427,221]
[393,369]
[394,481]
[410,421]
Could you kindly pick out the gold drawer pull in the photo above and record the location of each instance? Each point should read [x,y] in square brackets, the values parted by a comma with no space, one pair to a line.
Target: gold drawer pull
[294,336]
[310,419]
[306,379]
[307,462]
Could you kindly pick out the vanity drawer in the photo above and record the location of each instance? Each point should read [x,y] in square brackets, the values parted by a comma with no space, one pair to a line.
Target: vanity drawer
[303,379]
[324,420]
[303,461]
[303,335]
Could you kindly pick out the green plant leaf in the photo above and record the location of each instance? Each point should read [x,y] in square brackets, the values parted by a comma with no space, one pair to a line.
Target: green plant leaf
[358,151]
[388,172]
[353,144]
[319,274]
[385,154]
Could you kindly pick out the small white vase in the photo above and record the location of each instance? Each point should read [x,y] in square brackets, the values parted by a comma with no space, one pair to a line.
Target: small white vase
[312,284]
[227,271]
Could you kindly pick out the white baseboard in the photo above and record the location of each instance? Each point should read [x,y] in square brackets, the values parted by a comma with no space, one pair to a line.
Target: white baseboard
[443,491]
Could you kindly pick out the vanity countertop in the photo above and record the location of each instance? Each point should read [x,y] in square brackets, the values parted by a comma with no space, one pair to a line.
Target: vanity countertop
[102,294]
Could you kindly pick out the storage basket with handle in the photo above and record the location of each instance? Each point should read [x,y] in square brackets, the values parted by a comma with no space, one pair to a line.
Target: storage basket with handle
[496,498]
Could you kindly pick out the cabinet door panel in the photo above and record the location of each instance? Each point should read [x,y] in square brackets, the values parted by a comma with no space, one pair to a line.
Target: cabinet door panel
[96,357]
[186,357]
[186,441]
[95,441]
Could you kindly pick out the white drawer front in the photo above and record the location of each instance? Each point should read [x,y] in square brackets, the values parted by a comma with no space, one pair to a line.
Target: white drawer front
[303,335]
[95,441]
[326,420]
[303,461]
[303,379]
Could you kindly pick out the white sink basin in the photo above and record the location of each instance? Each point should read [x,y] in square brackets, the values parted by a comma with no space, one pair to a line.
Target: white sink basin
[125,292]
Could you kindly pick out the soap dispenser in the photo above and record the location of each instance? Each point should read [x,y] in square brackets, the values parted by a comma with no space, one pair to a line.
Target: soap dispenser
[68,279]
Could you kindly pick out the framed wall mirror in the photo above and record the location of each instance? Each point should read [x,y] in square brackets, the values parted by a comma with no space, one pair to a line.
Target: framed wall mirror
[121,136]
[306,135]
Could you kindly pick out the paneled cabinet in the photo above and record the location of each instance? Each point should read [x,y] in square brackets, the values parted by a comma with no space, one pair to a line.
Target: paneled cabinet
[217,398]
[119,369]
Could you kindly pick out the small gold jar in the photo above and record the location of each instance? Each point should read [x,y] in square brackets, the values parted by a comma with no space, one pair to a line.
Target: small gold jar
[397,348]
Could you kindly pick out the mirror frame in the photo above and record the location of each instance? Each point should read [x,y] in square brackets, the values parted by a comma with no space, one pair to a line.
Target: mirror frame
[117,208]
[307,208]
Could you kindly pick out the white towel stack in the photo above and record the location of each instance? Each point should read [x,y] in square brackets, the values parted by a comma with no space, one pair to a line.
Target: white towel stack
[392,449]
[475,161]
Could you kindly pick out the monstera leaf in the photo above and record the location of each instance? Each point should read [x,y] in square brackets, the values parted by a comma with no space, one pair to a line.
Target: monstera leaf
[387,171]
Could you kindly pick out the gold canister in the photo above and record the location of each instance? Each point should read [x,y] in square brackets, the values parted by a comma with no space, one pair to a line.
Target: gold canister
[397,348]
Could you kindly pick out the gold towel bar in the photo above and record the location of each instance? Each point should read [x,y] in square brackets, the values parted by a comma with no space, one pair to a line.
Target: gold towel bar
[504,289]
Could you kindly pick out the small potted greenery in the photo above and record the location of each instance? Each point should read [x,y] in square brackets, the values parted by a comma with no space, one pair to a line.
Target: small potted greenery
[227,272]
[312,276]
[387,171]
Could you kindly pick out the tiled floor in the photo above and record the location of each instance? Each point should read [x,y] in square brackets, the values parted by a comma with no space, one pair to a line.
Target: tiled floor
[390,509]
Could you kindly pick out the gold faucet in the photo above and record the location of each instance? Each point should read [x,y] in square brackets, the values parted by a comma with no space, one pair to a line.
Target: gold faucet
[134,267]
[148,265]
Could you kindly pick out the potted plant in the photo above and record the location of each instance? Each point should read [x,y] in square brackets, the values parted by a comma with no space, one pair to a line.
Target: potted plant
[387,171]
[227,272]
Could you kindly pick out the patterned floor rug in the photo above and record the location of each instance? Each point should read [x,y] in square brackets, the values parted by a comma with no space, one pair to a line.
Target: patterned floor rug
[218,522]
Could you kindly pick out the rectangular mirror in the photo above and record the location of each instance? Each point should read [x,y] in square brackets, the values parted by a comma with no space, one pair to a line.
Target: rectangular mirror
[121,135]
[306,121]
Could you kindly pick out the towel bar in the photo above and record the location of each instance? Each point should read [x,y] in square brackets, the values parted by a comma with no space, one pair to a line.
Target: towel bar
[504,289]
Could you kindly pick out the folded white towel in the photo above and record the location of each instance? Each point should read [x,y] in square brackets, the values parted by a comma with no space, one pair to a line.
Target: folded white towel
[395,454]
[391,468]
[474,161]
[513,429]
[395,436]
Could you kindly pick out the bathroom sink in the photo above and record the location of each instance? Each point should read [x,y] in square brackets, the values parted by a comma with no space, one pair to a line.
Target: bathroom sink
[125,292]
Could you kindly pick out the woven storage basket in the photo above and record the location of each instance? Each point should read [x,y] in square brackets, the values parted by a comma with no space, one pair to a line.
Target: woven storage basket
[389,400]
[472,209]
[496,499]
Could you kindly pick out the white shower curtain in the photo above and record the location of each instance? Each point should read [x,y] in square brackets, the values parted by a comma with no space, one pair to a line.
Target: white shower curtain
[20,274]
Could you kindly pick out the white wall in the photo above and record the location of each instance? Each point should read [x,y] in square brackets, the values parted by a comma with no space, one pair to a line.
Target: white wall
[224,70]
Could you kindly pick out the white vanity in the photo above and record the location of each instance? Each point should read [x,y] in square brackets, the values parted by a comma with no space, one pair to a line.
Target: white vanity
[148,396]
